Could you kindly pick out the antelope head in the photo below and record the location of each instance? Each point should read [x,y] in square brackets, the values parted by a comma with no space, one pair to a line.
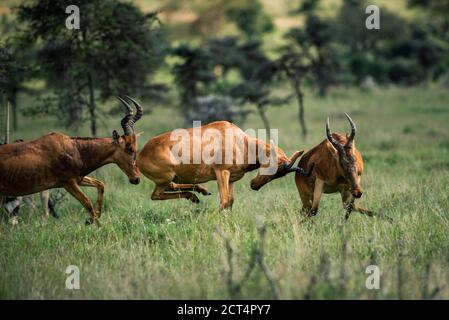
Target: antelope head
[285,166]
[346,157]
[126,145]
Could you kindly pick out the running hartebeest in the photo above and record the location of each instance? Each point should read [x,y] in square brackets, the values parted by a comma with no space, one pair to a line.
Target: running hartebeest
[12,205]
[59,161]
[174,179]
[337,167]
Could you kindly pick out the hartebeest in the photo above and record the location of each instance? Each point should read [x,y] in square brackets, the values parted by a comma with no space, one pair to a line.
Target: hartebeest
[174,179]
[12,205]
[337,167]
[59,161]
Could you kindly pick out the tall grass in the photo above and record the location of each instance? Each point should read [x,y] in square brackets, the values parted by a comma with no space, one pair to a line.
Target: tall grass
[171,249]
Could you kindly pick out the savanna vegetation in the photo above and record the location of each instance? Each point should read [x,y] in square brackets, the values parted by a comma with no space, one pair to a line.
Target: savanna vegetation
[286,68]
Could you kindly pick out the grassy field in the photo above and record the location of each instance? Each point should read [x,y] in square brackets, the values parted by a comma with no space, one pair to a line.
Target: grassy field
[171,249]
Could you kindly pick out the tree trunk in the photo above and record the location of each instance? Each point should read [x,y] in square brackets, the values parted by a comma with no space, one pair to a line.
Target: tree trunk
[92,108]
[300,98]
[5,102]
[14,107]
[264,118]
[322,76]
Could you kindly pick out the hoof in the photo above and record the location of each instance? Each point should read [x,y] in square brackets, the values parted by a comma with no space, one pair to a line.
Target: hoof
[194,199]
[89,221]
[208,194]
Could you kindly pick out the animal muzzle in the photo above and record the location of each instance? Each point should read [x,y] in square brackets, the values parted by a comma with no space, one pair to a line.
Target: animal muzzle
[255,187]
[357,193]
[134,181]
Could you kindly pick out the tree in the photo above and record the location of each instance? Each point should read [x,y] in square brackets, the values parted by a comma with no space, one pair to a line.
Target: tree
[15,66]
[193,75]
[439,7]
[116,49]
[433,35]
[250,19]
[201,79]
[317,40]
[203,71]
[259,75]
[253,92]
[295,67]
[401,51]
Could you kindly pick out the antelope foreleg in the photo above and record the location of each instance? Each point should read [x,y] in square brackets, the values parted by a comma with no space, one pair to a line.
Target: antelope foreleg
[231,194]
[73,188]
[92,182]
[349,205]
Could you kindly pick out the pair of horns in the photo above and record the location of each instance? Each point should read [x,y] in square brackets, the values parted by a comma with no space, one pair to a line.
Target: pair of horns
[289,167]
[129,120]
[334,142]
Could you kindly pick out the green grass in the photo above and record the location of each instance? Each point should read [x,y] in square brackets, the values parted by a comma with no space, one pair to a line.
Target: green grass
[171,249]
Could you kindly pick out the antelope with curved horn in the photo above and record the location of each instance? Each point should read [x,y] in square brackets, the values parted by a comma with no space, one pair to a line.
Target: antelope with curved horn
[175,179]
[337,167]
[59,161]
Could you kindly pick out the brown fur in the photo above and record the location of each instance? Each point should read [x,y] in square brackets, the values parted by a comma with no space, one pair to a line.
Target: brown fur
[58,161]
[331,173]
[174,181]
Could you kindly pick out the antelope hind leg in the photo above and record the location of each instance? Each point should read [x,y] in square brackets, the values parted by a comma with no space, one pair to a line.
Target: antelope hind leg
[317,192]
[223,188]
[188,187]
[45,198]
[159,193]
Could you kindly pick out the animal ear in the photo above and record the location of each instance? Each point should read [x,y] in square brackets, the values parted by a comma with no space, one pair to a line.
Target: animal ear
[333,151]
[116,136]
[353,141]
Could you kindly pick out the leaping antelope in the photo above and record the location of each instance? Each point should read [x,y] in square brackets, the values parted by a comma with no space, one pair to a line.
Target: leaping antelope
[56,160]
[337,167]
[175,180]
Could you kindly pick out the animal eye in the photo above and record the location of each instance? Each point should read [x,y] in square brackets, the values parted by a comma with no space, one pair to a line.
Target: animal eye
[129,149]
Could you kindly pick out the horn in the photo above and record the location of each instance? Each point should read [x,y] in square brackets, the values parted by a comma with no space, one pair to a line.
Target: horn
[293,158]
[353,131]
[331,139]
[301,171]
[139,109]
[126,121]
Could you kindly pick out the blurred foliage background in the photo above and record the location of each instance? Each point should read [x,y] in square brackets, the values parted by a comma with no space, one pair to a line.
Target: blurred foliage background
[211,60]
